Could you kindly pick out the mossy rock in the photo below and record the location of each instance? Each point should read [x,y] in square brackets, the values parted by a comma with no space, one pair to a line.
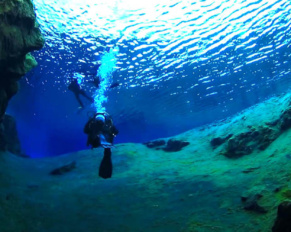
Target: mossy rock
[19,35]
[286,193]
[246,142]
[20,68]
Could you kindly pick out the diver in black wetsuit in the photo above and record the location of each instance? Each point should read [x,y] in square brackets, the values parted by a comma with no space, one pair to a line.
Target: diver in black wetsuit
[95,82]
[77,90]
[101,132]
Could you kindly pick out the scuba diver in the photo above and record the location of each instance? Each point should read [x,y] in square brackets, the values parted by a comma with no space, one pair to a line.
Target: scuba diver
[115,84]
[77,90]
[96,82]
[101,132]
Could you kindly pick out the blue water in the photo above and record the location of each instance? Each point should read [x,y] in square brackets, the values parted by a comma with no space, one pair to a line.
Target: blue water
[180,64]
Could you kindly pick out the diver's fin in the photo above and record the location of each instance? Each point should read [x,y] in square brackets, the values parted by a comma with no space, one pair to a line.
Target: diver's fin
[105,169]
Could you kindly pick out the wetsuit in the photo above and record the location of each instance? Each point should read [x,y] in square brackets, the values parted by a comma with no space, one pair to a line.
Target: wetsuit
[95,129]
[76,89]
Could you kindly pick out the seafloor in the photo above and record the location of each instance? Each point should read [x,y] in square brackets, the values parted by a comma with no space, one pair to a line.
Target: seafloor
[200,188]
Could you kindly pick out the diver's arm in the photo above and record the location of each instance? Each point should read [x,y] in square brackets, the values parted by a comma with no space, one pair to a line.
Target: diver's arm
[87,127]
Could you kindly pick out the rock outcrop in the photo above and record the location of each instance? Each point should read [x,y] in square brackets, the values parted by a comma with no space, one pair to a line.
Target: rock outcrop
[251,203]
[172,145]
[283,220]
[254,138]
[155,143]
[64,169]
[246,142]
[9,137]
[19,35]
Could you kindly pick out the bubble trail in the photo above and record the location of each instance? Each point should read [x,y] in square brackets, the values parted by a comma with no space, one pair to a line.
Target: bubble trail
[104,73]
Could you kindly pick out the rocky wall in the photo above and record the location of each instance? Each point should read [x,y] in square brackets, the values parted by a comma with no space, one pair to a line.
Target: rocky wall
[19,35]
[9,140]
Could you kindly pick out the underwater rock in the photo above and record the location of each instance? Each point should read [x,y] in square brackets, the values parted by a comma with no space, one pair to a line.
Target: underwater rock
[248,170]
[273,123]
[277,189]
[251,203]
[266,136]
[255,138]
[175,145]
[19,35]
[283,220]
[3,103]
[9,140]
[285,120]
[62,170]
[239,146]
[245,143]
[155,144]
[2,136]
[215,142]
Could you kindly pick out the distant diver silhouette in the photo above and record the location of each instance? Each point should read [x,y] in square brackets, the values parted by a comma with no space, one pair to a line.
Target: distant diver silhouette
[95,82]
[114,85]
[77,90]
[101,133]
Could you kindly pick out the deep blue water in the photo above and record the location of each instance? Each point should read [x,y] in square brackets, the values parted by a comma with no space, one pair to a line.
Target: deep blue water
[181,64]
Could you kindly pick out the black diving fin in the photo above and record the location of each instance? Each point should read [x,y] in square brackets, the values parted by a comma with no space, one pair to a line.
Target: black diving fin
[105,169]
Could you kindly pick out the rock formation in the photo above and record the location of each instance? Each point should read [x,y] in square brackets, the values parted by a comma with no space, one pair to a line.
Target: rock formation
[19,35]
[283,220]
[254,138]
[9,140]
[172,145]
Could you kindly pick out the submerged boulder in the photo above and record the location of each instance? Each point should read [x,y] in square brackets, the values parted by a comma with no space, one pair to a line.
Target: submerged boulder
[175,145]
[246,142]
[285,120]
[9,140]
[155,143]
[251,203]
[283,220]
[64,169]
[217,141]
[172,145]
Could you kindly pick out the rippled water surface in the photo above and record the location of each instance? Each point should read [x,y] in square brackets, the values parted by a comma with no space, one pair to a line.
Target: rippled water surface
[180,63]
